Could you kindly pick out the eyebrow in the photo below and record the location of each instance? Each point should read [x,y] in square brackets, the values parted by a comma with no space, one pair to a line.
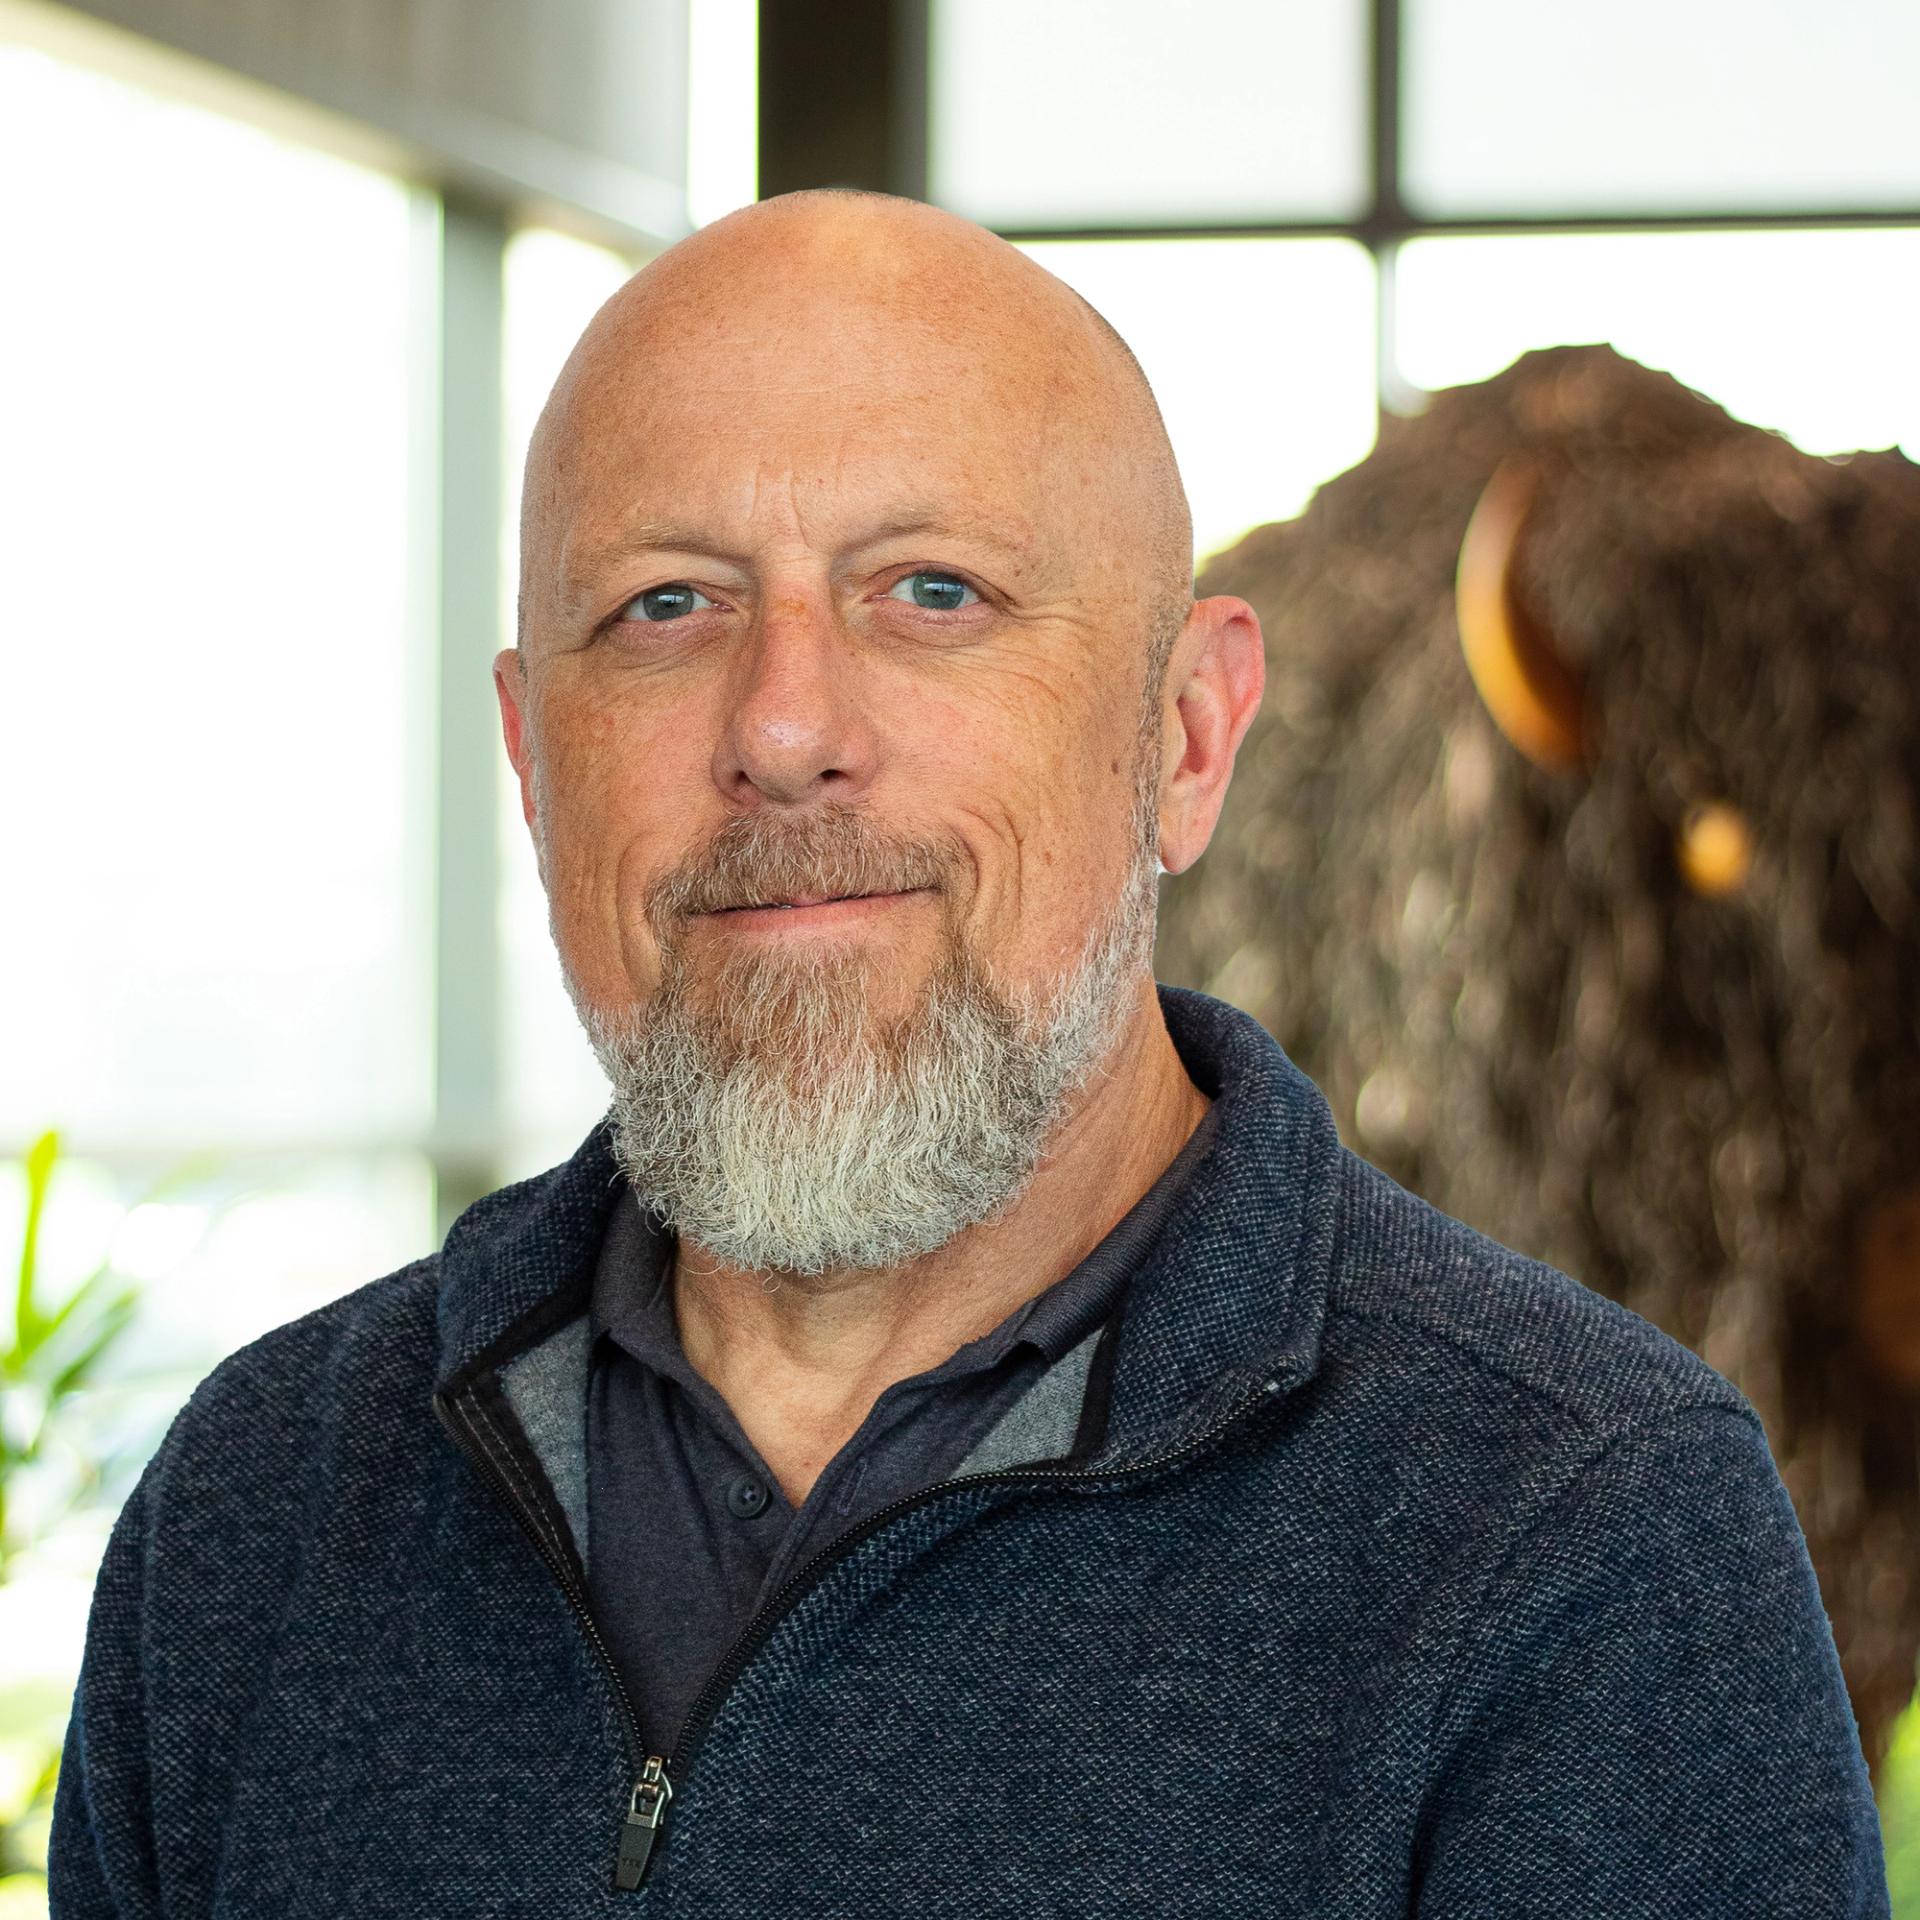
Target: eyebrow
[1012,538]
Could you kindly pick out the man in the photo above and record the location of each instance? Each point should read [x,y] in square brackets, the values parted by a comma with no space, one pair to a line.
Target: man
[961,1435]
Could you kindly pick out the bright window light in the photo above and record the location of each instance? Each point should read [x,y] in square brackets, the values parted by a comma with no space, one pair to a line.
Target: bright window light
[219,946]
[723,107]
[1645,106]
[1124,112]
[1260,353]
[219,894]
[1809,333]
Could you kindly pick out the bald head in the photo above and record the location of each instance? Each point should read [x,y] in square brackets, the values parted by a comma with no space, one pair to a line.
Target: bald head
[822,318]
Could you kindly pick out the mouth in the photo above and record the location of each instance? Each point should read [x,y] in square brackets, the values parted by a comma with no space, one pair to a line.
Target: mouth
[810,908]
[797,900]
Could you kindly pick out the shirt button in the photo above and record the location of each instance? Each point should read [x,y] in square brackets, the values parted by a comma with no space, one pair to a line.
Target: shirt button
[746,1497]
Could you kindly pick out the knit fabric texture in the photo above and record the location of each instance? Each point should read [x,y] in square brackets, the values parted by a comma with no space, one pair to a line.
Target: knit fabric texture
[1399,1575]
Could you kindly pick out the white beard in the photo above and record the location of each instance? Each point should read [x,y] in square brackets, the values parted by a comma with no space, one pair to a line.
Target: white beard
[771,1118]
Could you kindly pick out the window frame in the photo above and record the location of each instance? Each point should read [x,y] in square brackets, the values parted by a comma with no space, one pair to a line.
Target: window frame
[878,139]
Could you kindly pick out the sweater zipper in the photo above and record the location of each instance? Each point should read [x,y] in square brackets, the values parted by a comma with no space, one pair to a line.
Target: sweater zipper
[651,1787]
[639,1830]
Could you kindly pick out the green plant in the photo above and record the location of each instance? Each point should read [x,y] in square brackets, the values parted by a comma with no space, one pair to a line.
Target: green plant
[49,1355]
[49,1365]
[1899,1800]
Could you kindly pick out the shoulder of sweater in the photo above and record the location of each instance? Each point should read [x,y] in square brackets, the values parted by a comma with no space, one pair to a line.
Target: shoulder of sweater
[290,1377]
[1411,1282]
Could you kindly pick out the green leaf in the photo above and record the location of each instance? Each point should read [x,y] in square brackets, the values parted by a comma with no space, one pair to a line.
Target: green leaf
[40,1158]
[35,1328]
[48,1326]
[113,1323]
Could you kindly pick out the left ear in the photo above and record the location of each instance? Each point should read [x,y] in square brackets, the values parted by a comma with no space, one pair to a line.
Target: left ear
[1215,677]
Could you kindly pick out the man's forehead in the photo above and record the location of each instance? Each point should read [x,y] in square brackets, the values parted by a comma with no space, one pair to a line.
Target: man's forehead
[793,372]
[641,526]
[890,450]
[822,368]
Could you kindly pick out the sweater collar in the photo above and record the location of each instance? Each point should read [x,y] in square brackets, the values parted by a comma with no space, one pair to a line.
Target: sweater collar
[1232,1293]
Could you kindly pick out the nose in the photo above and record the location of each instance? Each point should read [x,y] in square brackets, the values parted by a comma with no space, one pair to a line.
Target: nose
[795,726]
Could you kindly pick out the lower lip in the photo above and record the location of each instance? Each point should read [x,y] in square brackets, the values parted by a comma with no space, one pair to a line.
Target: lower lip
[829,914]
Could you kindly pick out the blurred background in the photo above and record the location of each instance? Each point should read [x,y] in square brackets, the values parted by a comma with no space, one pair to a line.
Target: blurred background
[285,285]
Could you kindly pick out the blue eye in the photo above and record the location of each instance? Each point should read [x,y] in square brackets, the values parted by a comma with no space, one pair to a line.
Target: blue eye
[939,591]
[665,603]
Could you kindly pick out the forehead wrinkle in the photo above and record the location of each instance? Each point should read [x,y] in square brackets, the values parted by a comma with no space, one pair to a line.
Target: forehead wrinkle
[1015,538]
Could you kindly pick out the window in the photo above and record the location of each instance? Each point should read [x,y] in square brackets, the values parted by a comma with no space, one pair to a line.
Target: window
[1806,332]
[1644,107]
[1125,112]
[218,942]
[207,474]
[1260,353]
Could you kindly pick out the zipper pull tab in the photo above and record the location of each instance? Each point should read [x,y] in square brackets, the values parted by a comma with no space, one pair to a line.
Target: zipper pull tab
[651,1792]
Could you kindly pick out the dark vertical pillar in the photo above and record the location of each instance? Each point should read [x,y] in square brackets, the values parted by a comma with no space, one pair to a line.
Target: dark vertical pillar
[843,95]
[1388,215]
[1386,218]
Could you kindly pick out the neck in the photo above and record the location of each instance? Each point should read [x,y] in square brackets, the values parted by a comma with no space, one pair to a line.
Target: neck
[801,1365]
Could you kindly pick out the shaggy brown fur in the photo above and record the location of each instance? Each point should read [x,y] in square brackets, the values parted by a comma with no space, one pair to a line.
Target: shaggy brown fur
[1498,974]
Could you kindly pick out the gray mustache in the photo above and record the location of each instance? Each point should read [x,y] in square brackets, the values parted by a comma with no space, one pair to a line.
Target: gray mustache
[749,864]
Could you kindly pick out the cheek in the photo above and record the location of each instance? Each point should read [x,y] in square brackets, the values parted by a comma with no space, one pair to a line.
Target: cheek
[621,767]
[614,802]
[1043,793]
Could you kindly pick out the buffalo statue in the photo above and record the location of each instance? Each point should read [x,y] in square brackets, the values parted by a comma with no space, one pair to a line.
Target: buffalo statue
[1573,854]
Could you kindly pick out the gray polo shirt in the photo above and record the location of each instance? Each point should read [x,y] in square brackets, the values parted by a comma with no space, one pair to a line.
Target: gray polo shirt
[689,1531]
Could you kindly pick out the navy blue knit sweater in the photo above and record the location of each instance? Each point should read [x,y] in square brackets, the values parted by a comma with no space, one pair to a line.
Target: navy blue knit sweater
[1363,1569]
